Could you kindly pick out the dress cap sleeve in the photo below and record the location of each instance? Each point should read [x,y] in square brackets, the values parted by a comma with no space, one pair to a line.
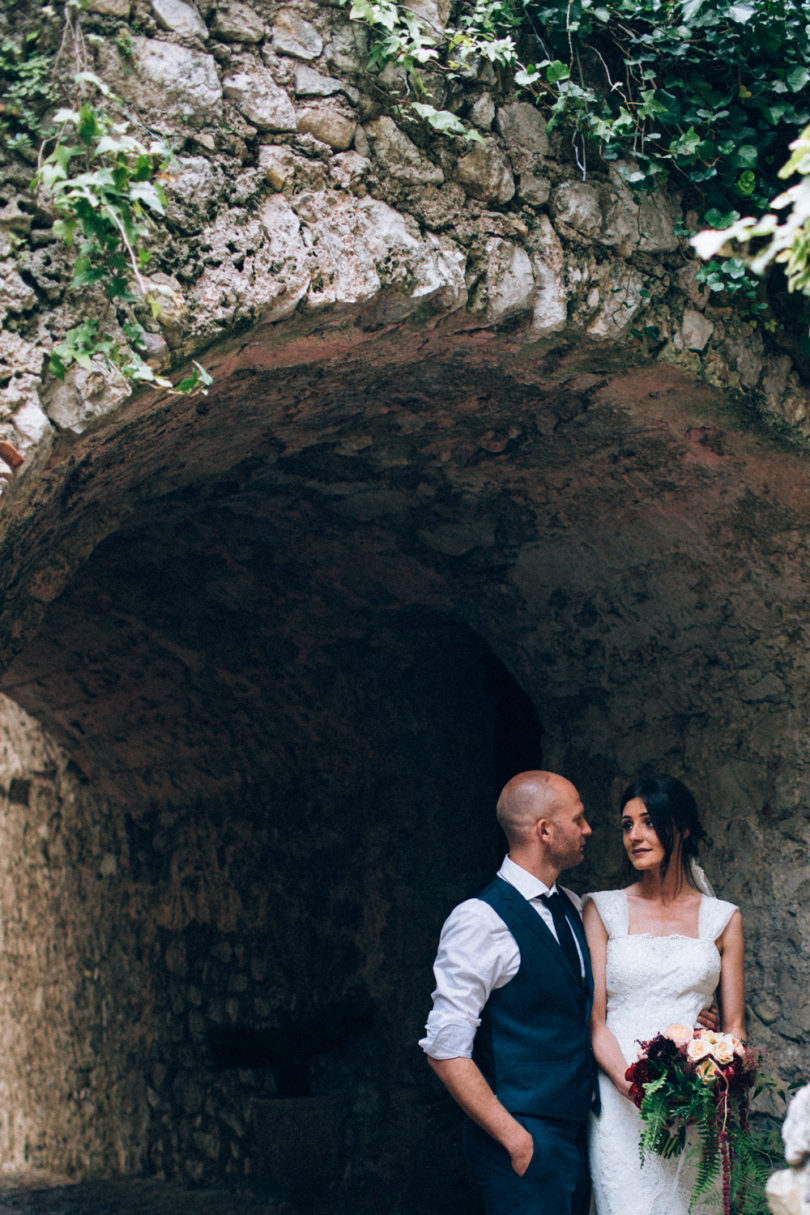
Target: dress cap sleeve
[612,908]
[714,916]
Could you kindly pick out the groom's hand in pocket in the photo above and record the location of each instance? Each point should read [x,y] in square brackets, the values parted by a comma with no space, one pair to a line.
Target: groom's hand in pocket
[521,1154]
[709,1018]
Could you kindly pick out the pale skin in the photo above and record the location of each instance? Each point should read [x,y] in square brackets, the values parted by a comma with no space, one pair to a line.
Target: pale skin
[544,821]
[664,907]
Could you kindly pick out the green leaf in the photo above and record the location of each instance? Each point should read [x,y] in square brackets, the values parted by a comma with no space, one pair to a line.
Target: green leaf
[87,128]
[742,11]
[527,76]
[440,120]
[557,71]
[143,168]
[65,228]
[797,78]
[198,379]
[147,193]
[96,81]
[746,183]
[205,378]
[687,144]
[746,156]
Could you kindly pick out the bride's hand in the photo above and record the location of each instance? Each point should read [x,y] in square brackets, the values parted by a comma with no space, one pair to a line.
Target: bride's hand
[625,1088]
[709,1018]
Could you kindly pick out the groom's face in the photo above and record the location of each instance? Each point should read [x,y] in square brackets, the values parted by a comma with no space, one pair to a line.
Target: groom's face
[568,830]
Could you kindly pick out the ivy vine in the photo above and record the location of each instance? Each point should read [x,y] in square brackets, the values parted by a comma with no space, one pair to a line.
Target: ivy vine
[100,179]
[759,242]
[26,90]
[104,186]
[702,94]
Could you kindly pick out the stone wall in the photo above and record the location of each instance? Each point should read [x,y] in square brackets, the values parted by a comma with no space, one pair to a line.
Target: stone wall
[71,986]
[294,191]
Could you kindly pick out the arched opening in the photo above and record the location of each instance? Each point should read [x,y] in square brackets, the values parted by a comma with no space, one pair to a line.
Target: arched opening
[282,777]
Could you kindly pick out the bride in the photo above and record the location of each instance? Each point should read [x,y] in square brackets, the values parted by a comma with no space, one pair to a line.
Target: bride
[661,950]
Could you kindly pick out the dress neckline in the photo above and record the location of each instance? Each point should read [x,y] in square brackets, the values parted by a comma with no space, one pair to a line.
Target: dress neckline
[663,936]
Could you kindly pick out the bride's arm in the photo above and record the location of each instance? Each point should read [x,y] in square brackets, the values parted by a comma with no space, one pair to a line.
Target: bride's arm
[605,1047]
[732,977]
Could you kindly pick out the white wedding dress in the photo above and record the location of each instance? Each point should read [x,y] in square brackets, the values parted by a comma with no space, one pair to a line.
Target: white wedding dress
[652,982]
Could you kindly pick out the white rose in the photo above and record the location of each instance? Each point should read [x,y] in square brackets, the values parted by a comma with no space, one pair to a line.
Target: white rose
[698,1049]
[723,1051]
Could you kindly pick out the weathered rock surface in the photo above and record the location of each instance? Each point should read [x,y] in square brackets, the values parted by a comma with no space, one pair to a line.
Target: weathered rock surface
[400,156]
[179,18]
[260,100]
[294,35]
[169,82]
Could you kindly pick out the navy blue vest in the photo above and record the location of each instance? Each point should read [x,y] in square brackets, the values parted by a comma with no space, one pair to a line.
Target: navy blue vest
[533,1044]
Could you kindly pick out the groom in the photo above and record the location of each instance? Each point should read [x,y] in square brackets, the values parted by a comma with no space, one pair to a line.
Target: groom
[508,1032]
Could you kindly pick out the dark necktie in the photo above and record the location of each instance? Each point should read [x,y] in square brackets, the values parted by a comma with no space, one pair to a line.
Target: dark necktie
[565,933]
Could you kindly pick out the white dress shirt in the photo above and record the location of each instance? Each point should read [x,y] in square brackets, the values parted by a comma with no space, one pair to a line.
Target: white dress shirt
[477,954]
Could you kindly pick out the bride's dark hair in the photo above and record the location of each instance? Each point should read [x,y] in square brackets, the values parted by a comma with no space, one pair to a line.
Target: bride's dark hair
[673,812]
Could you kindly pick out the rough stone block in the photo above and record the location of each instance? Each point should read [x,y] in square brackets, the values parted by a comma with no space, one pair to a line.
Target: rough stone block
[482,113]
[236,22]
[509,280]
[328,125]
[31,423]
[292,35]
[168,81]
[111,8]
[84,396]
[576,211]
[523,128]
[257,96]
[485,175]
[548,265]
[179,18]
[309,83]
[696,330]
[401,158]
[534,189]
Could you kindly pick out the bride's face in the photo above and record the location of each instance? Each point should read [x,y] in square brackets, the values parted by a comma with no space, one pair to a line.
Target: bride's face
[640,839]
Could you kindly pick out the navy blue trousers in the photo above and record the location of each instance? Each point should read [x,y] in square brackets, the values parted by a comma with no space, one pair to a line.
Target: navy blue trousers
[556,1181]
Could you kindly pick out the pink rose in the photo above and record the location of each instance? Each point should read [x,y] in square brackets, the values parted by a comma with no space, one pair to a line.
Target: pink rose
[679,1034]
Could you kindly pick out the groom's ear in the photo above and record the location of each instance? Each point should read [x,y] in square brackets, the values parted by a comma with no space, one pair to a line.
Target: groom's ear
[542,829]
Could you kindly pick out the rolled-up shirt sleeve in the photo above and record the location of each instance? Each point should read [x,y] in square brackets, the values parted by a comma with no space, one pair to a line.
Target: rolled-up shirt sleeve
[477,953]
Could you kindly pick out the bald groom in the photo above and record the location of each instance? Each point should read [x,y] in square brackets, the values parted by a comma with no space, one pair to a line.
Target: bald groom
[508,1031]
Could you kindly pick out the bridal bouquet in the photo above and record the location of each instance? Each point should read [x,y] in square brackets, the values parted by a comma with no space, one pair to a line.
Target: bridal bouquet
[699,1077]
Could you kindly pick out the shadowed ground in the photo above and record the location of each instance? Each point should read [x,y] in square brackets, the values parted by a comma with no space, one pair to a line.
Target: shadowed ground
[40,1194]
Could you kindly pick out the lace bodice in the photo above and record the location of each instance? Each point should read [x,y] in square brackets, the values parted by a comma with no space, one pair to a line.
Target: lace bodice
[655,981]
[652,982]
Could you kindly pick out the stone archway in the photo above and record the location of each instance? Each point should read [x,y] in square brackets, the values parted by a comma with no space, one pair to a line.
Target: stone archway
[279,631]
